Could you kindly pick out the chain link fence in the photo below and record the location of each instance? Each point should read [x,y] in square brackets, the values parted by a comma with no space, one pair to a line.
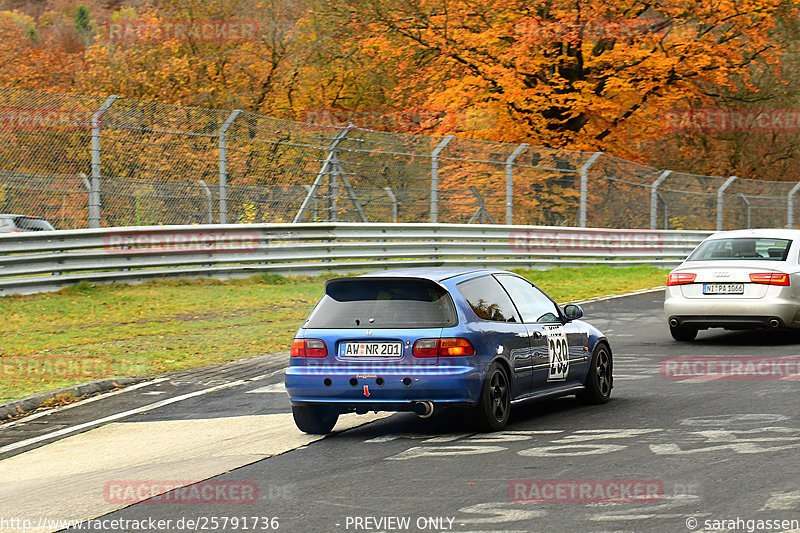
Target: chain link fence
[91,161]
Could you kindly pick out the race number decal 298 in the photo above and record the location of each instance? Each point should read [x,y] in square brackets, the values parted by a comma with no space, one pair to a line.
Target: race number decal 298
[558,353]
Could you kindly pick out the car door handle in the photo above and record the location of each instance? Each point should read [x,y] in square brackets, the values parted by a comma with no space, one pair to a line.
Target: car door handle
[537,335]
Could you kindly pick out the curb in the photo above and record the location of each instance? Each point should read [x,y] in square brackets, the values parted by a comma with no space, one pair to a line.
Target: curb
[24,406]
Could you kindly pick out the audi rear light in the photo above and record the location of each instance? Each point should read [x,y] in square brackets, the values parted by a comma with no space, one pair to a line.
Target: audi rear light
[309,348]
[446,347]
[770,278]
[680,278]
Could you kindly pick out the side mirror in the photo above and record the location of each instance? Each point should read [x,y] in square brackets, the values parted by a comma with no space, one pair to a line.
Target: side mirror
[573,311]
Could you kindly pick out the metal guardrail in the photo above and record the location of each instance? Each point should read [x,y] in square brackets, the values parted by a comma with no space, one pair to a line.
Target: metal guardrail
[45,261]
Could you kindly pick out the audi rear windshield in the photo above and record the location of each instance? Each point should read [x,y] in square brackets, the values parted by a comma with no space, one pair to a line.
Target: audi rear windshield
[742,249]
[380,303]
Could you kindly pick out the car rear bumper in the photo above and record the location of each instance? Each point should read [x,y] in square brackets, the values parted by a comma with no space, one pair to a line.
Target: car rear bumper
[383,391]
[732,314]
[727,322]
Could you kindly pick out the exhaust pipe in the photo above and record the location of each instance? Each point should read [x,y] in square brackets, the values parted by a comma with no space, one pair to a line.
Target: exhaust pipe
[424,409]
[673,322]
[774,323]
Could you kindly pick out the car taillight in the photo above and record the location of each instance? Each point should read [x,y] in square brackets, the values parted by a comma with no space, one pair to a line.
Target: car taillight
[455,347]
[446,347]
[309,348]
[770,278]
[680,278]
[426,348]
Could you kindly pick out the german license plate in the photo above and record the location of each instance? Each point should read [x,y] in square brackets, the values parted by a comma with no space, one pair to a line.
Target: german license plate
[370,349]
[723,288]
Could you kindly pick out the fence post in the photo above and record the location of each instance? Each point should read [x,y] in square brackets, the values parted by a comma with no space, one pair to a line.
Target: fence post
[720,201]
[94,192]
[393,198]
[510,182]
[435,177]
[585,188]
[88,187]
[666,211]
[790,205]
[482,213]
[210,211]
[315,215]
[325,170]
[746,210]
[223,166]
[654,198]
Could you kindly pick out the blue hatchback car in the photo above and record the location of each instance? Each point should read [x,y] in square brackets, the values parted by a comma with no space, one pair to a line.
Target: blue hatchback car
[426,339]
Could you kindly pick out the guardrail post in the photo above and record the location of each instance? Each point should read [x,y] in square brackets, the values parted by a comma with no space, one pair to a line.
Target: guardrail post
[223,166]
[393,198]
[435,177]
[720,201]
[654,198]
[94,192]
[790,205]
[585,188]
[510,182]
[210,211]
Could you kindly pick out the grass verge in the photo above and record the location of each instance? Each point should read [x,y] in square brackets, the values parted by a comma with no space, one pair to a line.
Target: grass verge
[89,332]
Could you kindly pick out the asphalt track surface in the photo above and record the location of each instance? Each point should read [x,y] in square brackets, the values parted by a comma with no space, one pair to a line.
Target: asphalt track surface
[667,453]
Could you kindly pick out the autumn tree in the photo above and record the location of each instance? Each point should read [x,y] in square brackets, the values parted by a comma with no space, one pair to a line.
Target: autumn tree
[581,74]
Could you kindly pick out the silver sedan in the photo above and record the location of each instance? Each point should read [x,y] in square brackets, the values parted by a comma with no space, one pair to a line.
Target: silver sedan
[742,279]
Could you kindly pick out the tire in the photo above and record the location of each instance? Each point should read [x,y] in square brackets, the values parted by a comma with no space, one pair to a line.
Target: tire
[683,333]
[314,419]
[599,379]
[494,405]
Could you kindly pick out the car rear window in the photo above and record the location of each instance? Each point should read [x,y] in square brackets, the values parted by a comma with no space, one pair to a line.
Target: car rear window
[742,248]
[383,303]
[32,224]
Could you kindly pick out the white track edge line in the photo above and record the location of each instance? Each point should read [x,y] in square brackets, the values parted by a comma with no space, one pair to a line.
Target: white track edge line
[112,418]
